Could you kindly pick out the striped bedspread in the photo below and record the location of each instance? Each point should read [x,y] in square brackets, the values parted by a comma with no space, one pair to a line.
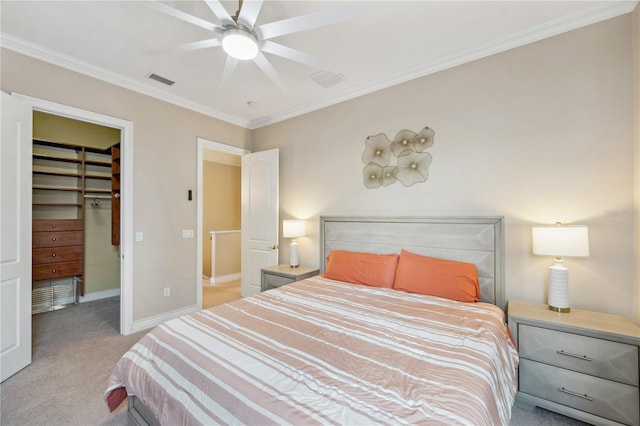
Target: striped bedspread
[325,352]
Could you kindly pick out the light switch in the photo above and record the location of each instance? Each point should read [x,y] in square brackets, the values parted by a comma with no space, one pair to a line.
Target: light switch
[138,236]
[187,233]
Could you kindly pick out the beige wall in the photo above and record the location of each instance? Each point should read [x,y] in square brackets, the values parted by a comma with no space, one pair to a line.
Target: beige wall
[539,134]
[164,170]
[101,259]
[636,118]
[220,205]
[55,128]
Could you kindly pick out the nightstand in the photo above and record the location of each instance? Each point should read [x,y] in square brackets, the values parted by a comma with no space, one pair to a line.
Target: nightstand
[581,364]
[279,275]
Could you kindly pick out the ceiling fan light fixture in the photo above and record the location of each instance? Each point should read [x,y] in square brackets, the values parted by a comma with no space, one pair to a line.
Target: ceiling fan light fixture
[240,43]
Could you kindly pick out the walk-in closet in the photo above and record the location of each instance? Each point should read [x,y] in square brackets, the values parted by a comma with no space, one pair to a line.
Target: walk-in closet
[76,212]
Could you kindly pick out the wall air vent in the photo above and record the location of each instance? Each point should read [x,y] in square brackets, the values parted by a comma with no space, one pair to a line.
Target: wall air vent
[161,79]
[327,79]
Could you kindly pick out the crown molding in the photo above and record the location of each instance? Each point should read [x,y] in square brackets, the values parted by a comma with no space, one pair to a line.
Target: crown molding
[599,11]
[23,47]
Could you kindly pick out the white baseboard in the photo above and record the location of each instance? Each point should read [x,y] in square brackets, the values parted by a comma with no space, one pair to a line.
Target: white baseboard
[150,322]
[97,295]
[225,278]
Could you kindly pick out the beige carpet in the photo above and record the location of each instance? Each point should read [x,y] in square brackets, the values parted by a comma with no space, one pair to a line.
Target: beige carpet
[217,294]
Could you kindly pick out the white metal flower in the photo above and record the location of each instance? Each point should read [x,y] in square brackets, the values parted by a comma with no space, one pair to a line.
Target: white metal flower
[371,175]
[403,142]
[423,140]
[377,150]
[413,167]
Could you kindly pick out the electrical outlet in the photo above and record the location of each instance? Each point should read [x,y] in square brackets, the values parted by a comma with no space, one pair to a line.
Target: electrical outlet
[139,237]
[187,233]
[167,292]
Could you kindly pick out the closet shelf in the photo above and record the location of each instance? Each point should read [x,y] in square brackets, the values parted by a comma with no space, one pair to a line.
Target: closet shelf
[56,188]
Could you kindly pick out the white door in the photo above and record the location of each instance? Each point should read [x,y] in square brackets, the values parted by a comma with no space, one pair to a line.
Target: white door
[15,241]
[259,216]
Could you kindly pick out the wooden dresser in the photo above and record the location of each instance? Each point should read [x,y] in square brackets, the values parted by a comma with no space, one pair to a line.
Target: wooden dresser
[581,364]
[57,253]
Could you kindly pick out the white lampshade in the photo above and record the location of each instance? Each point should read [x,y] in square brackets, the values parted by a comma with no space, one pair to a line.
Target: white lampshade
[293,228]
[561,241]
[240,43]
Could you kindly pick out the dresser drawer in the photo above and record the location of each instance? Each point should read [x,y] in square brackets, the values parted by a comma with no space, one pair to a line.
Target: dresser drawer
[273,281]
[597,357]
[57,238]
[57,225]
[53,271]
[57,254]
[605,398]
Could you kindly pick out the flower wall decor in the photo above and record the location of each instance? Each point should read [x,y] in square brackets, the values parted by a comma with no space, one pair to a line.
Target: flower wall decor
[409,150]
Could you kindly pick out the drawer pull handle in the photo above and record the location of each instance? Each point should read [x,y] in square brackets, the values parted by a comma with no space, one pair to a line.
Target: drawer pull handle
[582,357]
[572,393]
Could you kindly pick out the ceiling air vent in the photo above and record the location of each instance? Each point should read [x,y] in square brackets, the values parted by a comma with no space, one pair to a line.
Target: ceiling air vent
[327,79]
[161,79]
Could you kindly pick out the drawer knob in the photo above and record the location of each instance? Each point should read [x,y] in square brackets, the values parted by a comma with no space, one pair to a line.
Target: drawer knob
[53,270]
[54,225]
[54,239]
[53,255]
[582,357]
[572,393]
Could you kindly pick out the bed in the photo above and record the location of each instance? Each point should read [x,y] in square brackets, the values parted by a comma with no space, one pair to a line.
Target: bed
[326,351]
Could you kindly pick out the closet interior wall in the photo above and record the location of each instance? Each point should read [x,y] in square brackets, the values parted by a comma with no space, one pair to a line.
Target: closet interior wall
[73,214]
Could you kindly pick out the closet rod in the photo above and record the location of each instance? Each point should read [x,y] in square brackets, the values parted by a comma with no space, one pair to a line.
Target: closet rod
[106,197]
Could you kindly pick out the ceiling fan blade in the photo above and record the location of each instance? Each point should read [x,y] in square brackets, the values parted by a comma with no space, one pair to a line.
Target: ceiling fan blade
[187,47]
[271,72]
[229,68]
[168,10]
[249,12]
[306,22]
[218,9]
[296,55]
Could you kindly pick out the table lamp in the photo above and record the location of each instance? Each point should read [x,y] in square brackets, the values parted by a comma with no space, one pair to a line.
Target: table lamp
[560,241]
[293,229]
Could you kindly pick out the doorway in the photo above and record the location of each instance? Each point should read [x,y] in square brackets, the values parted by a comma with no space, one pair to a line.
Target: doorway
[219,226]
[126,199]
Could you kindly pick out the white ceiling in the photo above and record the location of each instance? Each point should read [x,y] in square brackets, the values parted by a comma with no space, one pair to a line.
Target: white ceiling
[384,44]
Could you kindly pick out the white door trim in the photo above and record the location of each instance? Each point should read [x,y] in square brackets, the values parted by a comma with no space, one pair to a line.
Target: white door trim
[126,222]
[206,145]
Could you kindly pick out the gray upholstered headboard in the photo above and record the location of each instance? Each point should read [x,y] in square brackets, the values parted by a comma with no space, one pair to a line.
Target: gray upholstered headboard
[477,240]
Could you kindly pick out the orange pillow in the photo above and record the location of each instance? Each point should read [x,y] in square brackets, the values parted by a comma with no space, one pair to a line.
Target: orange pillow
[377,270]
[437,277]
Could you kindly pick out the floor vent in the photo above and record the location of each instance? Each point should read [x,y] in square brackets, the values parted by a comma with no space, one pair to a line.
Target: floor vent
[327,79]
[160,79]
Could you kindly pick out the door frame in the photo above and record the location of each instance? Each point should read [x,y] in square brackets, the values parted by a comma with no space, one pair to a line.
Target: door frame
[206,145]
[126,202]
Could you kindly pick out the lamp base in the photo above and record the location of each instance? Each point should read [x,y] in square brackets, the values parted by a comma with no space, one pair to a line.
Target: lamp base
[293,254]
[561,310]
[558,287]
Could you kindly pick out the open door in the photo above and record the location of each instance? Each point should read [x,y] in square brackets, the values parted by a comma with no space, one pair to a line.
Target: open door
[15,239]
[260,172]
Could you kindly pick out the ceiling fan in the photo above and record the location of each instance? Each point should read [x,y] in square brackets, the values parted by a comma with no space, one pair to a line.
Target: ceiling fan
[243,40]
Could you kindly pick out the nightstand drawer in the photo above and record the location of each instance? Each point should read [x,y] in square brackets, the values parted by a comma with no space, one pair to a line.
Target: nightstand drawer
[605,398]
[274,281]
[597,357]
